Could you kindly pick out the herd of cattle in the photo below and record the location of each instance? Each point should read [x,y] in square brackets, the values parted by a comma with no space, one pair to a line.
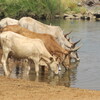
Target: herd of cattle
[32,41]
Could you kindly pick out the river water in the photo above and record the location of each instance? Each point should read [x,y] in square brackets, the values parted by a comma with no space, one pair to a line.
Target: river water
[87,73]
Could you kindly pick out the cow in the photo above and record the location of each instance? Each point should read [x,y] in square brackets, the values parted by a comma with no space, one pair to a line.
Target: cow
[38,27]
[25,48]
[8,21]
[52,46]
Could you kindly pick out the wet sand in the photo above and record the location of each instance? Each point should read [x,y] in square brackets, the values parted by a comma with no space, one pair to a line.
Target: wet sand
[20,89]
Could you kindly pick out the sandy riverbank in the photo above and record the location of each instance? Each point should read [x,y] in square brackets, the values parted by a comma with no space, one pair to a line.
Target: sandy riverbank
[18,89]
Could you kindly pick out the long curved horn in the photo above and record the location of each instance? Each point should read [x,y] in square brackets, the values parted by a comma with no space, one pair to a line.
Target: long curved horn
[67,46]
[76,43]
[75,49]
[65,35]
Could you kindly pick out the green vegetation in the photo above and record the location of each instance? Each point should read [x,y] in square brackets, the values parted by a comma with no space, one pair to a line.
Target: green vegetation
[37,8]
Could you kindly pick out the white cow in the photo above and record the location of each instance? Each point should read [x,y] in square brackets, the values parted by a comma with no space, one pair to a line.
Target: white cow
[38,27]
[56,31]
[22,47]
[8,21]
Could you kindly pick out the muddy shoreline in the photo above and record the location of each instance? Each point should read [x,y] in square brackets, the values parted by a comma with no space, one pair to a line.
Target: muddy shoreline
[20,89]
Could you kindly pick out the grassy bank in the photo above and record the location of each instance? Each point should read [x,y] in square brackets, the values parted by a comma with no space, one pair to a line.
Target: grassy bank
[38,8]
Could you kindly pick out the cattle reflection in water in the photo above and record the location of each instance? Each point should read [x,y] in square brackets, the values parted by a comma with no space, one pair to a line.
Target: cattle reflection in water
[65,77]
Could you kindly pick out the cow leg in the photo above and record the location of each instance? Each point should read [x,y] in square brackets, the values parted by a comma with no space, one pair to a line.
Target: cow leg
[26,67]
[37,68]
[4,62]
[36,62]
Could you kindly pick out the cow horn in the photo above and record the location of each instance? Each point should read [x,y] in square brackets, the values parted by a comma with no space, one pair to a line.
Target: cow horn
[69,39]
[67,47]
[76,43]
[65,35]
[75,49]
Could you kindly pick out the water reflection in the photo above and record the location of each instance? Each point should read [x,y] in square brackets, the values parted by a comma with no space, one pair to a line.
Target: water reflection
[65,77]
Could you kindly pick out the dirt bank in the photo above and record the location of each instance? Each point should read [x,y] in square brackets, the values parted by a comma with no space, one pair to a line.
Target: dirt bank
[18,89]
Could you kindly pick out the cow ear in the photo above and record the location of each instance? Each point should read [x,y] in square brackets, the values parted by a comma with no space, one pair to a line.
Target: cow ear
[51,59]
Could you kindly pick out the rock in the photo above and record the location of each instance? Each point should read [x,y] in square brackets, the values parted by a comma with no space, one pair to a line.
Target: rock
[77,15]
[87,16]
[69,17]
[79,4]
[65,15]
[57,16]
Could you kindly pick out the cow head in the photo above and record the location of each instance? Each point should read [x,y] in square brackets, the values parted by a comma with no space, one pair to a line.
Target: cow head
[74,54]
[67,60]
[54,64]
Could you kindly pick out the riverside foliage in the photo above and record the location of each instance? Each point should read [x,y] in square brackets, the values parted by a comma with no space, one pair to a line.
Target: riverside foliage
[36,8]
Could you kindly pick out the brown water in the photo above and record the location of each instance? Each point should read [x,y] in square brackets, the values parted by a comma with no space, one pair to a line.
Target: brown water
[86,74]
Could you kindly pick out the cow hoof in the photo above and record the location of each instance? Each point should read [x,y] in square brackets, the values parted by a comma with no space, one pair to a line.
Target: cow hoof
[7,74]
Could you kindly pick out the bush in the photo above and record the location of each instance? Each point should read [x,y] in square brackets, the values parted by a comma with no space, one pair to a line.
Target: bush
[36,8]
